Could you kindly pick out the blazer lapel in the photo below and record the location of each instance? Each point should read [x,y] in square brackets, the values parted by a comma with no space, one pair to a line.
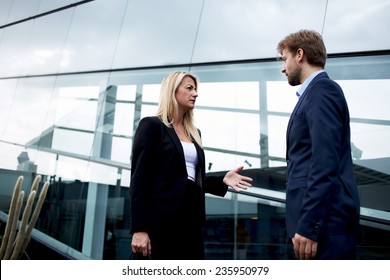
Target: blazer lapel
[291,121]
[300,101]
[172,134]
[201,157]
[200,170]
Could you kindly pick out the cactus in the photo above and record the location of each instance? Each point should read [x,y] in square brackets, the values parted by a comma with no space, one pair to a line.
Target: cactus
[34,217]
[17,234]
[14,224]
[23,225]
[11,214]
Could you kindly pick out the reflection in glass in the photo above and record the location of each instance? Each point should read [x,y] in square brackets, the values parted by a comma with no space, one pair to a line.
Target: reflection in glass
[77,131]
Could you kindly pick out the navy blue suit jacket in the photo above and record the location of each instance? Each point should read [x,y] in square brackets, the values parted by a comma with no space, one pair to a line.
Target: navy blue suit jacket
[321,195]
[159,176]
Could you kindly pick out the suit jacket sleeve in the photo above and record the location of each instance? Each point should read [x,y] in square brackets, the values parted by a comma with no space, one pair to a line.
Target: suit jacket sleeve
[215,185]
[145,146]
[325,113]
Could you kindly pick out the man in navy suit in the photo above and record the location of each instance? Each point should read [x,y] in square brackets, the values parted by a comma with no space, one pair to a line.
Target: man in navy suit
[322,201]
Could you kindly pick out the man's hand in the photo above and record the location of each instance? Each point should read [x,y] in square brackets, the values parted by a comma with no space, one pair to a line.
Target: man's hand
[304,248]
[141,243]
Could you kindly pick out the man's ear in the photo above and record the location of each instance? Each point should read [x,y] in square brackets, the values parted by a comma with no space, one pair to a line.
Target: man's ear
[300,54]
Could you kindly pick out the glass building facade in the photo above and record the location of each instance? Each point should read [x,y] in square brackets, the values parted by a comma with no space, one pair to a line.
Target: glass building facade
[77,76]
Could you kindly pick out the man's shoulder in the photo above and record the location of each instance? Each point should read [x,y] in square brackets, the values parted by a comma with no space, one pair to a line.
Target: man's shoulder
[321,76]
[323,79]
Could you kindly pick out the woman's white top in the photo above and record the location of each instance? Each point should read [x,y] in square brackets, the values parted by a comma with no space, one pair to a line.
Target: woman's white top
[191,157]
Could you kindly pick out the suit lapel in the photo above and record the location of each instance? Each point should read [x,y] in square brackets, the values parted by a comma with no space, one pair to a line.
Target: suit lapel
[201,158]
[299,103]
[291,120]
[200,170]
[293,115]
[172,134]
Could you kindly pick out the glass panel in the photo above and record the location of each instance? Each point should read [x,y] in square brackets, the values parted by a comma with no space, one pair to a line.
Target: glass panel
[76,112]
[92,40]
[13,48]
[281,97]
[250,37]
[46,162]
[158,40]
[48,5]
[49,129]
[121,150]
[277,127]
[358,68]
[365,141]
[7,95]
[151,93]
[77,107]
[30,108]
[5,10]
[22,9]
[77,142]
[81,41]
[247,228]
[219,161]
[9,156]
[123,119]
[242,95]
[101,173]
[46,45]
[148,110]
[73,169]
[229,130]
[126,92]
[363,94]
[125,179]
[69,169]
[352,26]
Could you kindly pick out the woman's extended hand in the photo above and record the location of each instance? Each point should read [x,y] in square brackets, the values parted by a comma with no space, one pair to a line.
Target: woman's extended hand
[237,181]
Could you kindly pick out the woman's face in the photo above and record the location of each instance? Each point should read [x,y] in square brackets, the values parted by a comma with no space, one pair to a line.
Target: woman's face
[186,94]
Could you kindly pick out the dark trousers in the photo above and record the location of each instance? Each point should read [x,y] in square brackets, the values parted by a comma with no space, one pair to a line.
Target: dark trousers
[182,238]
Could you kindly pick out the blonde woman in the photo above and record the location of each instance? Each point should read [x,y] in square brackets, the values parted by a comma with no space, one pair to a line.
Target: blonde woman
[168,180]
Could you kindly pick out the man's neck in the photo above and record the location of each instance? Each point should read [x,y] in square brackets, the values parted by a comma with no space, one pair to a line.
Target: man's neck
[308,70]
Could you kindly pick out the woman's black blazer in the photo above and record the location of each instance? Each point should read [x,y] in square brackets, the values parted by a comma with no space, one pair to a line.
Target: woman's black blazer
[159,176]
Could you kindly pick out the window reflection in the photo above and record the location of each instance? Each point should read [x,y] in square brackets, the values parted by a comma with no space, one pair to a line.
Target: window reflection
[78,130]
[238,95]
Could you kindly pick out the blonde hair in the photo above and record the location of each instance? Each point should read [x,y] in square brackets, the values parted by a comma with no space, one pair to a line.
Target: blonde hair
[168,108]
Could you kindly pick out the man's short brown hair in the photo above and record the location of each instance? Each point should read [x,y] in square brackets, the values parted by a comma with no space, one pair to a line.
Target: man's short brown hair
[310,42]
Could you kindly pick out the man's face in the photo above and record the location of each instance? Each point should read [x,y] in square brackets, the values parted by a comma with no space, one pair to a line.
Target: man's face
[291,67]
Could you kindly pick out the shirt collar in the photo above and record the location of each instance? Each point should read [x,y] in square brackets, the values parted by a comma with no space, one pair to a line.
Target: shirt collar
[303,87]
